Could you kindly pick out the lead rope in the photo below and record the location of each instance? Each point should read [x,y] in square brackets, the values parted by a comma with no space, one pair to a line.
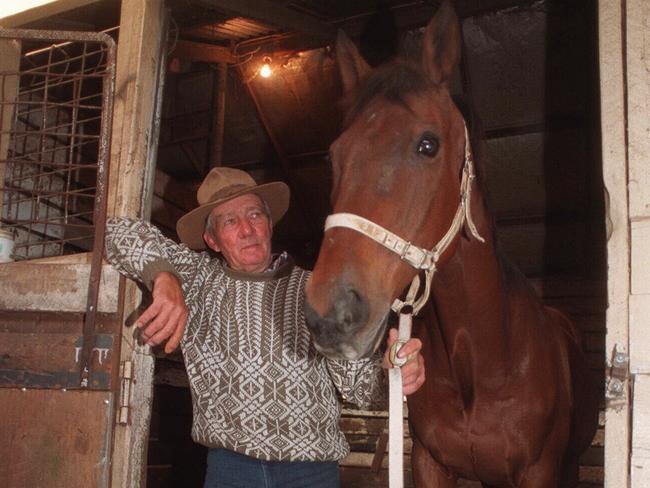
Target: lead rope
[420,259]
[395,397]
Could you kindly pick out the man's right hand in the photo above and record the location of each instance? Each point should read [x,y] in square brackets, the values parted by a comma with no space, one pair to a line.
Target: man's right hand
[166,317]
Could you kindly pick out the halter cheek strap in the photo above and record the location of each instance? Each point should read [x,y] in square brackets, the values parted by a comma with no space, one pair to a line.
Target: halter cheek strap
[420,259]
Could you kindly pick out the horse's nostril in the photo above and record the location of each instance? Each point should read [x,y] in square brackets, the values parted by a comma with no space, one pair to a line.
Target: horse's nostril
[353,296]
[351,310]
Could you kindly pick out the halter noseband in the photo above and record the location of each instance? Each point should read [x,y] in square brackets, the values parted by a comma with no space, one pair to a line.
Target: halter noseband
[418,257]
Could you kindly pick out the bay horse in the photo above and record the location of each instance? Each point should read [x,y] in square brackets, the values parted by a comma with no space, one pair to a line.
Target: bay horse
[508,399]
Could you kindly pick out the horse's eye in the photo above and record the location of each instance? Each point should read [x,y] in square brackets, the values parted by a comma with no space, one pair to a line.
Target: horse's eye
[428,145]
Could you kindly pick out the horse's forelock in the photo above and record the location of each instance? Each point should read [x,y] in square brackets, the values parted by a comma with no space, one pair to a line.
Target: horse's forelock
[393,82]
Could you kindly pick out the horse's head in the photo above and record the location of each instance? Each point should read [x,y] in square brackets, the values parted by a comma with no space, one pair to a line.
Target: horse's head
[397,164]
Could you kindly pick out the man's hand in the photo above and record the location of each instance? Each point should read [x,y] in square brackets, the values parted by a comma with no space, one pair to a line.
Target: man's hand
[413,371]
[166,316]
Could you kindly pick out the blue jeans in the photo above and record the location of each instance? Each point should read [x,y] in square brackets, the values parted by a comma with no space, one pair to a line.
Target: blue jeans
[228,469]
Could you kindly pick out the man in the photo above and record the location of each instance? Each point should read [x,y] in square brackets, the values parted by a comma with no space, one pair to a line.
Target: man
[264,400]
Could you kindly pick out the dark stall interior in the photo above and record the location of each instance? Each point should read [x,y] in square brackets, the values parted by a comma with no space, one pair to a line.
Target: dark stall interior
[529,77]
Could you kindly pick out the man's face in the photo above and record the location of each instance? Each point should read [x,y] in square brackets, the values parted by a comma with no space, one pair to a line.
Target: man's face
[242,233]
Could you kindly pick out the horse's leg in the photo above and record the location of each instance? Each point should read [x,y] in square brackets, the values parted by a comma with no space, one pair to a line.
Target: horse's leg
[570,473]
[540,475]
[427,472]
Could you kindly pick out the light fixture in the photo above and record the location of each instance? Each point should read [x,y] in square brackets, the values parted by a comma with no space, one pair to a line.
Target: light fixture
[266,70]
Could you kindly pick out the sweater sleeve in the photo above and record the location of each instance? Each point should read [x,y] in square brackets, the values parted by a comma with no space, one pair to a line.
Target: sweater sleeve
[360,382]
[138,250]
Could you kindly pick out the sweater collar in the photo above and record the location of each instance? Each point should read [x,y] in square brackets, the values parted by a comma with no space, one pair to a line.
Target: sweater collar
[280,267]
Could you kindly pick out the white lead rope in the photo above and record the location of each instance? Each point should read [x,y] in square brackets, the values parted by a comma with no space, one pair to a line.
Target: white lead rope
[395,397]
[420,259]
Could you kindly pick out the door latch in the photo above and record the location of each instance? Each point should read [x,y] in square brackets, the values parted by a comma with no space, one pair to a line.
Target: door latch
[126,382]
[617,377]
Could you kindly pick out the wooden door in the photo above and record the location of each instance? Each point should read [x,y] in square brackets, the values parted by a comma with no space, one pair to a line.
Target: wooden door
[75,386]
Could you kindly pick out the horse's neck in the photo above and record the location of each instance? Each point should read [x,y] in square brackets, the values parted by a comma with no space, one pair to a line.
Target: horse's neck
[470,296]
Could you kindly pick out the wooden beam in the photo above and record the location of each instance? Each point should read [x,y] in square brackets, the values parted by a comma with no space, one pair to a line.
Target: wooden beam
[219,120]
[200,51]
[274,14]
[45,286]
[15,14]
[611,48]
[139,66]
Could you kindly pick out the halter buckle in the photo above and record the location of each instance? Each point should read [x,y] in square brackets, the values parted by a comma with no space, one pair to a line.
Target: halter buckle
[415,256]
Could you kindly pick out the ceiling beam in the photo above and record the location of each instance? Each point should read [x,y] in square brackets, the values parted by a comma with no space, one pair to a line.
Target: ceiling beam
[200,51]
[19,13]
[274,14]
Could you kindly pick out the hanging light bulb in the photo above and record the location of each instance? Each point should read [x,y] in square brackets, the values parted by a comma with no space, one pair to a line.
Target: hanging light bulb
[265,70]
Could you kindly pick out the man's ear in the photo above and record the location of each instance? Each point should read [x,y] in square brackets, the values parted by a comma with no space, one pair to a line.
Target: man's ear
[209,240]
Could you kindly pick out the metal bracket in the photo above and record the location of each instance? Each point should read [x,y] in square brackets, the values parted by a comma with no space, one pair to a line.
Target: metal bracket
[126,381]
[617,378]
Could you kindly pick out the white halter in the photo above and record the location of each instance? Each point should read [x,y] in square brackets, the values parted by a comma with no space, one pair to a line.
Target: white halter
[420,259]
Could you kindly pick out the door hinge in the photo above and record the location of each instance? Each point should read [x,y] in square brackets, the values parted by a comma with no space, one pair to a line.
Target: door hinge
[126,382]
[617,378]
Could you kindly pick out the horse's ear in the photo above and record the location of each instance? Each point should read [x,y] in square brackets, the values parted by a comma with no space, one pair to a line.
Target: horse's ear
[441,44]
[352,66]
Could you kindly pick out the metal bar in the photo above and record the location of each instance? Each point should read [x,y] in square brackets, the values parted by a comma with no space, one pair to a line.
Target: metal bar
[99,218]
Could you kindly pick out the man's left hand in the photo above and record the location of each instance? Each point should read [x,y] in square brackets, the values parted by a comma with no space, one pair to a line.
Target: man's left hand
[413,375]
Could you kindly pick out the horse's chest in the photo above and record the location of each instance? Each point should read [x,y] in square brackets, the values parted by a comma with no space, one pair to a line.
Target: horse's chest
[472,441]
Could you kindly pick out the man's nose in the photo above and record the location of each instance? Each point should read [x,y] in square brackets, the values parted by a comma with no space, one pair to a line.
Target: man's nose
[246,228]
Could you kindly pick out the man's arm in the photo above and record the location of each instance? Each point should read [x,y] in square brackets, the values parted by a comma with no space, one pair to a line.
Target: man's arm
[139,251]
[362,382]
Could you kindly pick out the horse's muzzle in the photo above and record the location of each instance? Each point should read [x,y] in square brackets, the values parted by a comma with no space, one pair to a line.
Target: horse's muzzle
[334,334]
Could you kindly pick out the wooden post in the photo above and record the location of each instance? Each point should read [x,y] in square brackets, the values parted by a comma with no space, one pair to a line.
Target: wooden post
[9,62]
[637,23]
[613,125]
[139,53]
[216,153]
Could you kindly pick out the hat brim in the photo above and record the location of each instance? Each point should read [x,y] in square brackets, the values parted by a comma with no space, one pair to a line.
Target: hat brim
[190,227]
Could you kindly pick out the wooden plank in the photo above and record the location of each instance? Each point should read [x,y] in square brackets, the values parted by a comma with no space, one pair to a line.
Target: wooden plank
[200,51]
[54,438]
[43,286]
[613,142]
[15,14]
[640,464]
[640,255]
[9,62]
[139,66]
[638,103]
[275,14]
[639,337]
[51,360]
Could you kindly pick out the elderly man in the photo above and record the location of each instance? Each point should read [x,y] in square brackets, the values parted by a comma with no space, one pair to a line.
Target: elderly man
[264,400]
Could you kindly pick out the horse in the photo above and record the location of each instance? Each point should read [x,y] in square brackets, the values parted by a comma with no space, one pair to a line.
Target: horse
[508,400]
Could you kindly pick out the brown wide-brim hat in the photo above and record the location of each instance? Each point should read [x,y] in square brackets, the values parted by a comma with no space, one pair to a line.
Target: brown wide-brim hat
[223,184]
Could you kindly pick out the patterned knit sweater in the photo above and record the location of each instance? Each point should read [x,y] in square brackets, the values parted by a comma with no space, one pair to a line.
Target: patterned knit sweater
[258,385]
